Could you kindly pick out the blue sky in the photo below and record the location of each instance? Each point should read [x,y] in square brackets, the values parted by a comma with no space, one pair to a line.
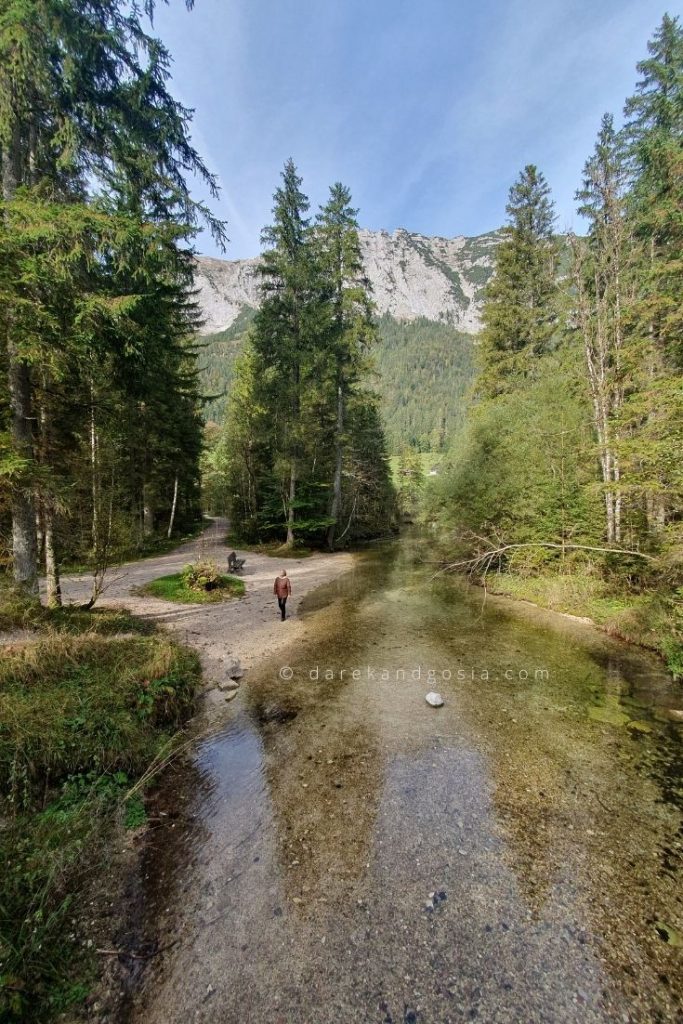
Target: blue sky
[426,109]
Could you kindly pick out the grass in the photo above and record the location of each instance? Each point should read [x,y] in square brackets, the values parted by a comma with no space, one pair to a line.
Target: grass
[17,613]
[174,588]
[84,711]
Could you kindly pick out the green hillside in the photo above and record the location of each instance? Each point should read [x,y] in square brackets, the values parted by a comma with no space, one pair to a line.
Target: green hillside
[217,354]
[424,370]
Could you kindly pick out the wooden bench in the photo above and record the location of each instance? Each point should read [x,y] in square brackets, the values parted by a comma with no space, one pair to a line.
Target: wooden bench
[234,563]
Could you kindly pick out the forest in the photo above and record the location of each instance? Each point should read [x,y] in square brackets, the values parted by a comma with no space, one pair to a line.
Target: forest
[565,484]
[303,456]
[542,460]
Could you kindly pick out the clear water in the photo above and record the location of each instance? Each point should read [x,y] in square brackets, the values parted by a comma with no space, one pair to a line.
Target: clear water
[340,851]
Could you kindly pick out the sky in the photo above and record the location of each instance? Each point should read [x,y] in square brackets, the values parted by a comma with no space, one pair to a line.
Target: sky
[426,109]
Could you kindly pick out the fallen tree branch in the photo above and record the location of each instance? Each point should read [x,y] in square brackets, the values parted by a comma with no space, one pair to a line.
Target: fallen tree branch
[488,556]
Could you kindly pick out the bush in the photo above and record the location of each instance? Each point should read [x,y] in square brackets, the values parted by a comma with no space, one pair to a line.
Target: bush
[203,576]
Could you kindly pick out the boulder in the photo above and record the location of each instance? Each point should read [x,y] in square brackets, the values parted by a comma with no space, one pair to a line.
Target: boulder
[234,669]
[228,684]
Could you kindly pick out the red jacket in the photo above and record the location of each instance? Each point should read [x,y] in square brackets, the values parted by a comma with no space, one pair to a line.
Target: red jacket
[282,587]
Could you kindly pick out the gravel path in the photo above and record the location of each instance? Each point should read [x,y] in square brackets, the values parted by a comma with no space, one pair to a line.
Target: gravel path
[247,628]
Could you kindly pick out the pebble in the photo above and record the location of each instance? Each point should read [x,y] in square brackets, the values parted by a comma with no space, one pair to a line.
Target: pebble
[435,699]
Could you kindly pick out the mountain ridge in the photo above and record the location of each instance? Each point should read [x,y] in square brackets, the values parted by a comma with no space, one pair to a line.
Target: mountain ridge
[413,277]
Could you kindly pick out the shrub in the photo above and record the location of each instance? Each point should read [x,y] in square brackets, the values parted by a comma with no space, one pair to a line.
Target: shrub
[202,576]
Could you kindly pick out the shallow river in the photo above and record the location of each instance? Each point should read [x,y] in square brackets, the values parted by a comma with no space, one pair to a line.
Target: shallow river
[340,851]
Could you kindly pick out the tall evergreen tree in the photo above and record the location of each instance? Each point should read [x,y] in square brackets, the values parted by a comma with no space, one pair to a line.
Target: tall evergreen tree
[351,328]
[519,313]
[303,436]
[84,107]
[653,411]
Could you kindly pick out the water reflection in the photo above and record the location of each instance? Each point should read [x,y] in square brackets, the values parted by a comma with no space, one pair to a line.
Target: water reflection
[349,853]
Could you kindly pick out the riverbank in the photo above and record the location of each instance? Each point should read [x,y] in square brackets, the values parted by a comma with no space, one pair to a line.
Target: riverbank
[653,621]
[245,629]
[94,700]
[338,850]
[88,702]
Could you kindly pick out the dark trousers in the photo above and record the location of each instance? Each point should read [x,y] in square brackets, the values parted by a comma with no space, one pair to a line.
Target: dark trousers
[282,601]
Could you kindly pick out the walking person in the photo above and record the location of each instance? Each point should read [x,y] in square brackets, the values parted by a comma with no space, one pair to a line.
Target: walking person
[282,588]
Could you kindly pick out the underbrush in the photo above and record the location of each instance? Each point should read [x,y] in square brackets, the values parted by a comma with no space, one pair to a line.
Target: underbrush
[18,613]
[82,716]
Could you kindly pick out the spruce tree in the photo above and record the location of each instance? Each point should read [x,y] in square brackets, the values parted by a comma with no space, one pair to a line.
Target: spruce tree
[285,328]
[351,327]
[84,108]
[520,312]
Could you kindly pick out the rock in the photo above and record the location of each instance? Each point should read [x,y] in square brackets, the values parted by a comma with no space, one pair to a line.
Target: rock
[435,699]
[675,714]
[234,669]
[230,694]
[228,684]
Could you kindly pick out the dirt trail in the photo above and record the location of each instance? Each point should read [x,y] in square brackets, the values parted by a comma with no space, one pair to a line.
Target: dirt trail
[248,628]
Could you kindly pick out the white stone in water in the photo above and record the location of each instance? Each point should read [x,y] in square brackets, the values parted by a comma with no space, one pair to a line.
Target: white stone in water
[435,699]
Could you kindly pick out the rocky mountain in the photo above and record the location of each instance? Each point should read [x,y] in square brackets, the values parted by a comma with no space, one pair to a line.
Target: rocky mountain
[413,277]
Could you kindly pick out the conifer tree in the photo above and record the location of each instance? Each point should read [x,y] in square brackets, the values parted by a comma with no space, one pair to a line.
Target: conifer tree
[285,328]
[351,328]
[84,108]
[519,313]
[654,410]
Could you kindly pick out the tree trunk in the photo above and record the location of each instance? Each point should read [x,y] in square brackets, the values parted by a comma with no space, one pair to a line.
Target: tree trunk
[24,533]
[94,483]
[147,510]
[54,588]
[290,509]
[173,507]
[336,487]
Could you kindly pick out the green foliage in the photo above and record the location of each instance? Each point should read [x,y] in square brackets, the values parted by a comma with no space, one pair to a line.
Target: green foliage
[201,576]
[425,370]
[410,483]
[303,452]
[199,584]
[96,304]
[577,438]
[520,315]
[83,713]
[422,370]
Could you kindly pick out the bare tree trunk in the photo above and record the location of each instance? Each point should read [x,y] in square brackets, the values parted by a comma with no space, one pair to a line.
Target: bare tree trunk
[147,510]
[290,509]
[173,507]
[54,588]
[336,486]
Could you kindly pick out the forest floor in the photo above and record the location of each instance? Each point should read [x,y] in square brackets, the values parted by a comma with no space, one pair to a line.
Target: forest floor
[245,629]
